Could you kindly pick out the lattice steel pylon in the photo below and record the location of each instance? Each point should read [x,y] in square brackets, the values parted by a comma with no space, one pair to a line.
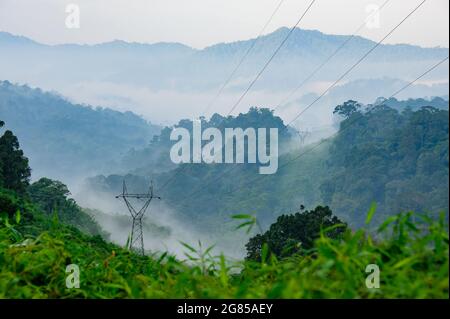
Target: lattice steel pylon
[136,241]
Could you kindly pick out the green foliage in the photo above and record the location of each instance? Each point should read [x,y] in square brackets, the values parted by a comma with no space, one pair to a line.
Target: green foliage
[411,252]
[295,234]
[14,170]
[201,256]
[415,104]
[394,158]
[9,202]
[67,139]
[398,160]
[14,207]
[157,153]
[348,108]
[48,194]
[35,248]
[249,221]
[52,198]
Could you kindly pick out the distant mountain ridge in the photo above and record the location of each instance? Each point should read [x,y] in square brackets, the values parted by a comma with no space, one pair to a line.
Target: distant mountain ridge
[168,81]
[299,38]
[312,40]
[175,63]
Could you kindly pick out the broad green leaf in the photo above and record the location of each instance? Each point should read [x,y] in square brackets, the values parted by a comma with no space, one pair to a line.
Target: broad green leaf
[192,249]
[242,216]
[18,216]
[209,249]
[264,252]
[162,257]
[245,224]
[373,208]
[386,223]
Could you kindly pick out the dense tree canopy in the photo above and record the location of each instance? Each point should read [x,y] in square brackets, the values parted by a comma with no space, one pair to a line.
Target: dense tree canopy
[156,156]
[14,170]
[347,108]
[398,159]
[52,197]
[66,140]
[294,234]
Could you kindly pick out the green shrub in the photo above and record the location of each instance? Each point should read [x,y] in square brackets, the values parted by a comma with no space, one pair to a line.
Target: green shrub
[411,251]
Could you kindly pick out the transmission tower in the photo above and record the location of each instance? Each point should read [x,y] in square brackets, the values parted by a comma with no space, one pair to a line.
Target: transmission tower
[136,241]
[303,135]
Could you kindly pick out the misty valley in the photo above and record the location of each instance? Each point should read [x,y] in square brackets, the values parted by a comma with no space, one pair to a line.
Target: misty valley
[297,199]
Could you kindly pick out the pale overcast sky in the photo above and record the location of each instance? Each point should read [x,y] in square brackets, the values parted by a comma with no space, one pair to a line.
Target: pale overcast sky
[200,23]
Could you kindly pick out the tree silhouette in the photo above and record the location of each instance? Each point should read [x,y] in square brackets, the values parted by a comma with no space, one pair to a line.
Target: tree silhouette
[14,170]
[295,234]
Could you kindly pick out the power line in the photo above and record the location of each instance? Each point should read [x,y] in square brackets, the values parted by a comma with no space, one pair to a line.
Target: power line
[357,62]
[340,131]
[256,78]
[250,48]
[311,75]
[336,82]
[361,116]
[271,58]
[136,240]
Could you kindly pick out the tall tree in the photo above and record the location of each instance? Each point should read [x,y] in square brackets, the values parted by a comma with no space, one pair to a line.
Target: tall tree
[50,194]
[52,197]
[14,170]
[348,108]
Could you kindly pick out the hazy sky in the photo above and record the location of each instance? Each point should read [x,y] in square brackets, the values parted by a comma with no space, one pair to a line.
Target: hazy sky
[200,23]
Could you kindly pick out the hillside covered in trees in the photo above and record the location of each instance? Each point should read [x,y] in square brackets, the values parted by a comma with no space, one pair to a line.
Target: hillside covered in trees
[395,155]
[310,254]
[65,140]
[395,158]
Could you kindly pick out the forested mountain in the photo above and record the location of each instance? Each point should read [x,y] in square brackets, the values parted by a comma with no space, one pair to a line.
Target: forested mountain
[37,249]
[48,196]
[393,156]
[414,104]
[65,140]
[155,157]
[42,230]
[397,159]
